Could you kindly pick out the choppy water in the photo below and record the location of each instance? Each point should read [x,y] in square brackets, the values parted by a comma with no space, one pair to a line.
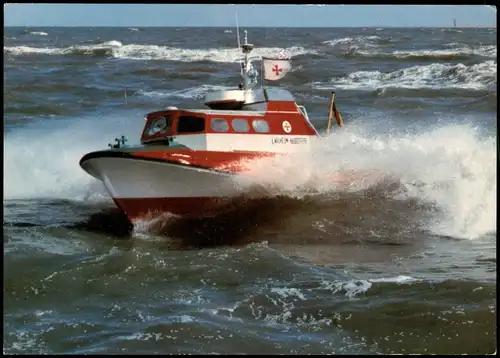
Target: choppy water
[402,260]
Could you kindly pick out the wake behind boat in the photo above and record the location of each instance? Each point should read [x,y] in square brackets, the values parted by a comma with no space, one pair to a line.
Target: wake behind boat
[187,159]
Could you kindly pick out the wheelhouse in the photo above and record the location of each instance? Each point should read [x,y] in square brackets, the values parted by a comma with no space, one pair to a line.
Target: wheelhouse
[271,111]
[162,125]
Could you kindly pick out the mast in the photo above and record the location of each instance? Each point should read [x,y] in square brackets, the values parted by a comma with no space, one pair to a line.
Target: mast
[454,23]
[246,48]
[238,38]
[245,63]
[246,69]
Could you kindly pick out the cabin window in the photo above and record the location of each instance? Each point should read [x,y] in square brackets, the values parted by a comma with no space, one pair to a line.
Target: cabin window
[260,125]
[220,125]
[159,124]
[190,124]
[240,125]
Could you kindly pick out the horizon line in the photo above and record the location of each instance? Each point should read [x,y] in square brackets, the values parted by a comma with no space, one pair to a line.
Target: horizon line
[280,27]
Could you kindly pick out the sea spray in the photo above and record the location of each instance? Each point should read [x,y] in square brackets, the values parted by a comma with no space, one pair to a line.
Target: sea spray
[44,162]
[451,167]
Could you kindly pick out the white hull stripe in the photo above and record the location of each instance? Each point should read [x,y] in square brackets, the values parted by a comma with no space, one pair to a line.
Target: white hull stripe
[228,142]
[136,178]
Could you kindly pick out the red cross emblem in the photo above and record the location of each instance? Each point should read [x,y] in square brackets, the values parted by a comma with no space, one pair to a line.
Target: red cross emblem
[277,70]
[287,127]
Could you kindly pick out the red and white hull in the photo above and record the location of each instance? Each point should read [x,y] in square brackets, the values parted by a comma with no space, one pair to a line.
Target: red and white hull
[145,187]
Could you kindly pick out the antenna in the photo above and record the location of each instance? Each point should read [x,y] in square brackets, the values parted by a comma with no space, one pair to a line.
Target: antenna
[238,32]
[238,37]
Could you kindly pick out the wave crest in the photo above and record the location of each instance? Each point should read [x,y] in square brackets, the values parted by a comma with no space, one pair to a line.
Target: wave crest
[115,49]
[452,168]
[482,76]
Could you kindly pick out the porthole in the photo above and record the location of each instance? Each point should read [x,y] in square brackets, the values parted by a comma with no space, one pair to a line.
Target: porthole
[240,125]
[158,125]
[220,125]
[260,126]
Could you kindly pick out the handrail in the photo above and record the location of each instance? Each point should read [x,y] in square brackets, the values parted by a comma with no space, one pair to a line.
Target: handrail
[303,110]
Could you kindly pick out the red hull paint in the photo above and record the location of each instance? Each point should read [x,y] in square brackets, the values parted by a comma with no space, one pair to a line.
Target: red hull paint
[137,208]
[236,162]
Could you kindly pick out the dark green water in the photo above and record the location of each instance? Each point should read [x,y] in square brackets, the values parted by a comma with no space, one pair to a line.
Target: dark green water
[403,263]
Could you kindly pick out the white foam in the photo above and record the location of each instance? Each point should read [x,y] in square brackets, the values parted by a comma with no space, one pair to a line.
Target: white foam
[144,228]
[140,336]
[155,52]
[353,288]
[366,46]
[85,49]
[27,50]
[436,76]
[39,313]
[350,288]
[184,319]
[286,292]
[451,167]
[56,246]
[43,162]
[401,279]
[26,342]
[89,48]
[39,33]
[193,92]
[287,296]
[360,40]
[484,50]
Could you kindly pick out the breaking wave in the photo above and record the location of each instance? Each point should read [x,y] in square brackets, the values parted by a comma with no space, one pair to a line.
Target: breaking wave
[457,53]
[482,76]
[452,168]
[115,49]
[366,46]
[368,41]
[39,33]
[194,92]
[104,48]
[44,163]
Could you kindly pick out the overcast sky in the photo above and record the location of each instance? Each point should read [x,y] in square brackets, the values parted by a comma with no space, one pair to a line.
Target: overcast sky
[185,15]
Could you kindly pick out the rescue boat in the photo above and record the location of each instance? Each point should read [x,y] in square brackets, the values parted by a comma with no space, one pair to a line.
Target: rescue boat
[188,159]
